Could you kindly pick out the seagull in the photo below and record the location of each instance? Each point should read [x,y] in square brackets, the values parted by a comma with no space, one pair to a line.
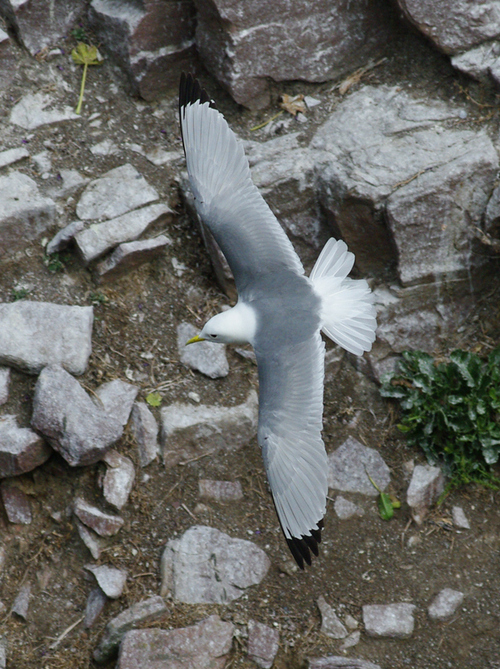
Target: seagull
[280,312]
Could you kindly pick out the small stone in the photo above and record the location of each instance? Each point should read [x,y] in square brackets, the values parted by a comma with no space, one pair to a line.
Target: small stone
[223,491]
[350,465]
[445,604]
[96,601]
[22,601]
[103,524]
[350,622]
[63,238]
[426,484]
[72,181]
[92,541]
[145,432]
[127,257]
[110,580]
[330,623]
[16,503]
[119,478]
[459,518]
[142,612]
[346,509]
[209,359]
[351,640]
[339,662]
[21,449]
[104,148]
[4,384]
[391,620]
[30,112]
[118,399]
[263,644]
[11,156]
[42,161]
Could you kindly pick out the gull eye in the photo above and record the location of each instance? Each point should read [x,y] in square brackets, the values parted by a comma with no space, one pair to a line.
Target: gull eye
[213,336]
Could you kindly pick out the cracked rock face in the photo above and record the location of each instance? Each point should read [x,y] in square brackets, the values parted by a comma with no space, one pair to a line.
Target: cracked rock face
[21,449]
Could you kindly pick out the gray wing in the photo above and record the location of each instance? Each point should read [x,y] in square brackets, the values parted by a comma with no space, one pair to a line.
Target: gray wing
[226,199]
[290,422]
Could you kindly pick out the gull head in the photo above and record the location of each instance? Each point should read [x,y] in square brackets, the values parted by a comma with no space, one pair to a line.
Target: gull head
[234,326]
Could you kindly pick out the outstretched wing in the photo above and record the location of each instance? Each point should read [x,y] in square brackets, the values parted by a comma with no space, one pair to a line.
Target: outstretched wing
[226,199]
[290,422]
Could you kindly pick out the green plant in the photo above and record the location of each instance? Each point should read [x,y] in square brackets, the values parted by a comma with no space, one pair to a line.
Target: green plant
[85,55]
[19,294]
[452,411]
[98,299]
[55,262]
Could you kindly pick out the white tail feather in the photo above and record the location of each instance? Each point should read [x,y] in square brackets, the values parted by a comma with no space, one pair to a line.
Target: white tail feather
[347,313]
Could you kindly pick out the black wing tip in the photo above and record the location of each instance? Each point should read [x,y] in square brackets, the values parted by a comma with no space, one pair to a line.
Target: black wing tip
[301,548]
[191,91]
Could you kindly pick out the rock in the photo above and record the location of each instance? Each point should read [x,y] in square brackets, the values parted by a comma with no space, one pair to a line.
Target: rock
[104,148]
[263,644]
[16,503]
[426,484]
[392,620]
[11,156]
[350,622]
[157,155]
[206,566]
[140,613]
[21,449]
[92,541]
[330,623]
[201,646]
[9,64]
[3,653]
[244,46]
[25,214]
[459,518]
[4,385]
[103,524]
[145,431]
[43,162]
[492,214]
[115,193]
[205,357]
[117,398]
[72,423]
[63,238]
[36,334]
[127,257]
[338,662]
[110,580]
[30,112]
[445,604]
[119,478]
[348,467]
[72,181]
[346,509]
[152,43]
[96,602]
[189,431]
[222,491]
[480,63]
[22,601]
[351,640]
[99,238]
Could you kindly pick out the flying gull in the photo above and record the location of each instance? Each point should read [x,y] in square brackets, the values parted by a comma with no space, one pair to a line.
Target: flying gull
[280,312]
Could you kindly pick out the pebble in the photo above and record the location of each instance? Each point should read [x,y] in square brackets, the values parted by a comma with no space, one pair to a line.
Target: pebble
[21,449]
[351,640]
[339,662]
[110,580]
[11,156]
[127,257]
[445,604]
[22,601]
[96,601]
[4,384]
[119,478]
[92,541]
[459,518]
[30,113]
[118,398]
[263,644]
[104,524]
[16,503]
[142,612]
[145,431]
[222,491]
[346,509]
[36,334]
[205,357]
[104,148]
[330,623]
[206,566]
[349,465]
[389,620]
[426,484]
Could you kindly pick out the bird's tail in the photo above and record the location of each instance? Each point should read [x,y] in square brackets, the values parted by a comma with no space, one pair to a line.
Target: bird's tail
[348,312]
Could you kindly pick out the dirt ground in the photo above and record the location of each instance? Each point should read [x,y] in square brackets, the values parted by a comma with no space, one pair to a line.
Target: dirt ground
[363,560]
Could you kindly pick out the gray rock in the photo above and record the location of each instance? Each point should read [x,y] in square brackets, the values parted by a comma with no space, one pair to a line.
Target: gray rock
[22,601]
[426,484]
[330,623]
[206,566]
[103,524]
[96,601]
[30,112]
[74,425]
[350,641]
[119,478]
[10,61]
[346,509]
[263,644]
[445,604]
[21,449]
[145,431]
[101,237]
[72,181]
[492,214]
[63,238]
[36,334]
[339,662]
[459,518]
[25,214]
[209,359]
[3,653]
[481,63]
[142,612]
[127,257]
[222,491]
[117,398]
[189,431]
[104,148]
[201,646]
[348,467]
[92,541]
[392,620]
[16,503]
[4,384]
[118,191]
[11,156]
[110,580]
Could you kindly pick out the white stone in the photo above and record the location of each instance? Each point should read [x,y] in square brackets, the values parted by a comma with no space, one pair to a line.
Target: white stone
[11,156]
[119,478]
[4,384]
[145,431]
[130,255]
[117,398]
[445,604]
[340,662]
[391,620]
[350,465]
[104,148]
[263,644]
[110,580]
[426,484]
[205,357]
[459,518]
[346,509]
[30,112]
[330,623]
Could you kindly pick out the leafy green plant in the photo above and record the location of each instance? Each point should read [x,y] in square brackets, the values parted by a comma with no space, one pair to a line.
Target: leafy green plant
[85,55]
[19,294]
[55,262]
[98,298]
[386,502]
[154,399]
[452,411]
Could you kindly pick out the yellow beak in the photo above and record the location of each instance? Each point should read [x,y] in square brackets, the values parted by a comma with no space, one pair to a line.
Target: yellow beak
[193,340]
